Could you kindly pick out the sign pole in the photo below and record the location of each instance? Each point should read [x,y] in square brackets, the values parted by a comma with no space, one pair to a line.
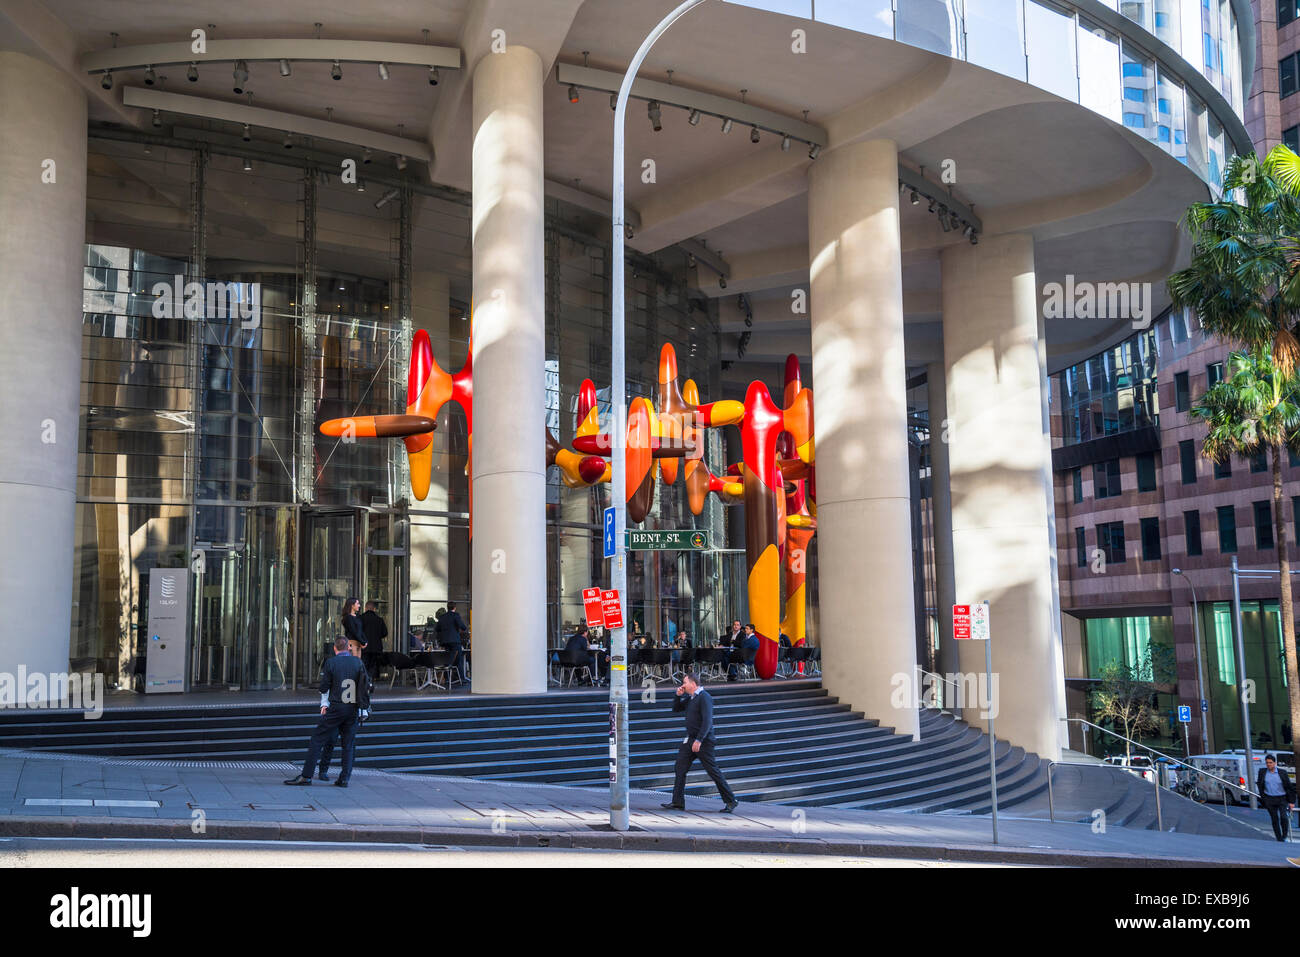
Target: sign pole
[993,743]
[619,817]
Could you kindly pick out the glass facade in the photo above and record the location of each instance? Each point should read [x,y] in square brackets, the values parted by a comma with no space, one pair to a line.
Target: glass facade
[1113,391]
[199,443]
[1128,641]
[1267,700]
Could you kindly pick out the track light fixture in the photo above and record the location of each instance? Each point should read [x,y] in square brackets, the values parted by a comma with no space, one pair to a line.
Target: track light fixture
[248,165]
[157,120]
[943,219]
[785,143]
[107,81]
[974,238]
[814,151]
[401,162]
[726,125]
[722,282]
[915,199]
[433,76]
[694,118]
[285,69]
[933,203]
[652,111]
[753,134]
[365,157]
[383,71]
[192,74]
[288,141]
[336,71]
[150,77]
[573,93]
[248,133]
[613,101]
[361,185]
[241,76]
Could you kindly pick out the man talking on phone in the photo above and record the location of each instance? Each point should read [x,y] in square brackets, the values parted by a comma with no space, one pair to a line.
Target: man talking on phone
[698,743]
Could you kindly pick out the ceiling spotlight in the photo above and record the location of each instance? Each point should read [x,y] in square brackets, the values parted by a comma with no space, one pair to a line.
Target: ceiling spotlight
[241,76]
[107,81]
[336,71]
[753,134]
[974,238]
[248,165]
[722,282]
[785,143]
[433,76]
[694,118]
[726,125]
[969,231]
[933,203]
[192,74]
[573,93]
[652,111]
[915,199]
[613,101]
[150,77]
[248,133]
[814,151]
[383,71]
[690,261]
[365,157]
[285,69]
[361,185]
[401,162]
[288,141]
[157,120]
[943,219]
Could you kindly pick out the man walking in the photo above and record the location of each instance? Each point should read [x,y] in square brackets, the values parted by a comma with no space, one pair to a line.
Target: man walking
[1277,790]
[345,697]
[375,631]
[698,743]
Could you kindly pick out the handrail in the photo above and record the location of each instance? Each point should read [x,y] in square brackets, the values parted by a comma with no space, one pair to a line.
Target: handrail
[935,674]
[1051,799]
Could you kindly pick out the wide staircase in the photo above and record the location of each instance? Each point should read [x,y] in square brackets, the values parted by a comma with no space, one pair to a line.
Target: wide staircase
[779,741]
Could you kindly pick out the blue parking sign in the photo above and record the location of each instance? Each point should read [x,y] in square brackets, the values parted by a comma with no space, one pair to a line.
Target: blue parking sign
[609,533]
[1185,713]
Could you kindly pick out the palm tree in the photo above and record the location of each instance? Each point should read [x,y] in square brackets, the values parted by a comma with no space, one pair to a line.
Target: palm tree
[1256,409]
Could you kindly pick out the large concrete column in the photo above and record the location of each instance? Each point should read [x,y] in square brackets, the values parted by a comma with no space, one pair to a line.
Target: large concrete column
[867,628]
[941,510]
[508,457]
[42,133]
[1000,534]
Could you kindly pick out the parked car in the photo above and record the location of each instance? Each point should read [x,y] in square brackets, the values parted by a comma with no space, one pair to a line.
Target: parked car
[1138,764]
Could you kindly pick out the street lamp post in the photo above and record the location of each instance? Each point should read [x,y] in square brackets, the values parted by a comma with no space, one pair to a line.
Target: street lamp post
[618,787]
[1200,672]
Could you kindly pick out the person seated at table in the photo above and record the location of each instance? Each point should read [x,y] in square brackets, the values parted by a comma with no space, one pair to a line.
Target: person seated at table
[729,638]
[578,649]
[748,642]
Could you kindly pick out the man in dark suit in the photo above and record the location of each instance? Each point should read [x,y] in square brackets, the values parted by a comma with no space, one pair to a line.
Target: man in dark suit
[730,638]
[579,644]
[698,743]
[451,630]
[345,699]
[1277,791]
[375,631]
[747,642]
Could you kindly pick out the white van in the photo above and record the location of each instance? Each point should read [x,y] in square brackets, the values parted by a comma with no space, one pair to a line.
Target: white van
[1231,765]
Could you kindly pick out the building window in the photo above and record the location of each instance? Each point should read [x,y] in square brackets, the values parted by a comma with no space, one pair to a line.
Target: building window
[1213,375]
[1291,458]
[1286,76]
[1187,459]
[1182,396]
[1110,539]
[1178,328]
[1286,11]
[1105,479]
[1192,529]
[1080,548]
[1291,138]
[1223,469]
[1227,529]
[1150,539]
[1077,477]
[1263,524]
[1259,462]
[1146,469]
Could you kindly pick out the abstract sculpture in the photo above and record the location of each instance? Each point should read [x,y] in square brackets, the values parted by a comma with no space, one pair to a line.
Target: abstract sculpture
[775,481]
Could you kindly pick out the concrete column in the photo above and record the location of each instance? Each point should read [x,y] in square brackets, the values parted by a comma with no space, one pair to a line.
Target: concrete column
[1000,534]
[509,489]
[864,531]
[42,134]
[941,509]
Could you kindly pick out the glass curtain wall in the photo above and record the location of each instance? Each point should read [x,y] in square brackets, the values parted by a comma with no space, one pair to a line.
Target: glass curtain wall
[1270,711]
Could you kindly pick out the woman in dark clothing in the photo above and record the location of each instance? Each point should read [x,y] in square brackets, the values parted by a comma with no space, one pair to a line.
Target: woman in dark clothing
[352,629]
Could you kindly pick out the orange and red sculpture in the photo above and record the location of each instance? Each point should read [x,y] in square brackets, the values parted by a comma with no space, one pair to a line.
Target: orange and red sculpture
[774,481]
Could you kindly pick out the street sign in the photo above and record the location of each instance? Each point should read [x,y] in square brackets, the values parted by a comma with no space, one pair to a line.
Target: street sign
[668,539]
[961,621]
[979,621]
[611,610]
[609,533]
[1185,713]
[591,605]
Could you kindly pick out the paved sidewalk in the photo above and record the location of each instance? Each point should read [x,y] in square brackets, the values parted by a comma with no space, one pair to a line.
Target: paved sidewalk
[75,796]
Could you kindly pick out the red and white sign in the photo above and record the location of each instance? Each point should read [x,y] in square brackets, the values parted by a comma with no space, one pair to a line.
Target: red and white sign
[960,621]
[592,607]
[611,609]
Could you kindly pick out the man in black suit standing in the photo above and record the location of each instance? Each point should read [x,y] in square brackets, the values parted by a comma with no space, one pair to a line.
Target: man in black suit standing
[698,743]
[345,698]
[451,630]
[375,631]
[1277,791]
